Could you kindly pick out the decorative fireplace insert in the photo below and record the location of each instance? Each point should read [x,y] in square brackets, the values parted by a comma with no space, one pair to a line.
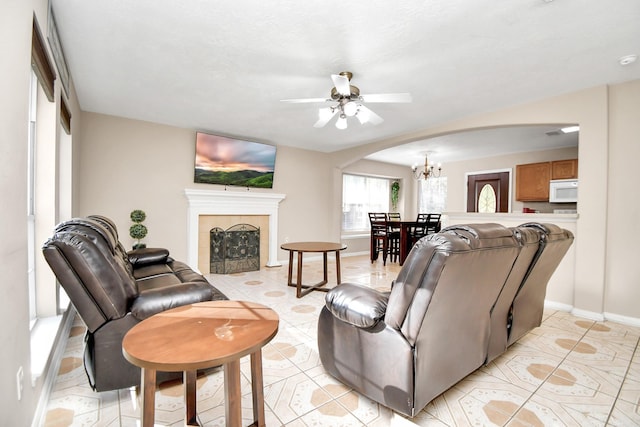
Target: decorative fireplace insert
[234,250]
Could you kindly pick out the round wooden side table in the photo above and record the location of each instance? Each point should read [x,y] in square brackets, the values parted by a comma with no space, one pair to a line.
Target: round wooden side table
[200,336]
[318,247]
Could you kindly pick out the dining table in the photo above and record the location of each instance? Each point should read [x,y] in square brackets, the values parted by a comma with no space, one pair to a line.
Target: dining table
[405,236]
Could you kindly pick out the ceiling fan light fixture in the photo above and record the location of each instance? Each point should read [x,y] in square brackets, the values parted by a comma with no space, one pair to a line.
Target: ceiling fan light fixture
[348,102]
[350,109]
[341,123]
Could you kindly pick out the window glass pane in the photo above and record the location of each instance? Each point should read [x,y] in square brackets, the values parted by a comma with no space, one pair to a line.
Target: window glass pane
[432,195]
[487,200]
[361,195]
[31,219]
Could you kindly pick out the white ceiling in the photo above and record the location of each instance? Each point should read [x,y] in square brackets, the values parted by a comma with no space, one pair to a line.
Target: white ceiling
[223,66]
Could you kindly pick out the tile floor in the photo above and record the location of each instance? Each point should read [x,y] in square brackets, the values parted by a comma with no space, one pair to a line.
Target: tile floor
[569,372]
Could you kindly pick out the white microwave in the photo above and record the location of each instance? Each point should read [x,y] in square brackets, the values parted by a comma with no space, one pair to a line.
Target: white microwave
[563,191]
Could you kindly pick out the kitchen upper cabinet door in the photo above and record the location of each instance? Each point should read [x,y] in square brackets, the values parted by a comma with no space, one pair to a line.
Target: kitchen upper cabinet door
[564,169]
[532,182]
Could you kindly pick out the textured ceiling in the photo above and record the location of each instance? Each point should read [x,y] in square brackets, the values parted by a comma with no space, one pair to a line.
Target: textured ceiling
[224,66]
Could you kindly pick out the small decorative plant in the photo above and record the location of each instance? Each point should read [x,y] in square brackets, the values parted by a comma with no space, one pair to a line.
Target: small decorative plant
[395,192]
[138,230]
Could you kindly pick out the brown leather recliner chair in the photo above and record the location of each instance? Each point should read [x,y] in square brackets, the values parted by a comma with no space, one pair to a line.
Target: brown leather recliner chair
[437,324]
[113,290]
[526,308]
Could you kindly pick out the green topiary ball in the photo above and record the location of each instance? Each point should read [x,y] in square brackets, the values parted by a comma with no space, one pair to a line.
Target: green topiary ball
[138,231]
[138,216]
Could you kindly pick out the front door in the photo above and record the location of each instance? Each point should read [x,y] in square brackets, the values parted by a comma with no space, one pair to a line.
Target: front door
[488,192]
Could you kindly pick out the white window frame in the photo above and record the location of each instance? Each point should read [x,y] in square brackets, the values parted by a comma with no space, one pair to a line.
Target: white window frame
[382,202]
[31,189]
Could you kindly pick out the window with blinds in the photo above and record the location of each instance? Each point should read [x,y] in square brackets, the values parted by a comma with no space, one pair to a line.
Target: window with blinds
[40,61]
[361,195]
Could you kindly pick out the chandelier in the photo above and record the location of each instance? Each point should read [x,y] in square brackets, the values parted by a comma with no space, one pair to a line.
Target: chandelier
[430,170]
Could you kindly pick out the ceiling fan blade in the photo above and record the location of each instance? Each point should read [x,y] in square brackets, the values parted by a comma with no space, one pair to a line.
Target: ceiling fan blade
[305,100]
[324,115]
[342,84]
[386,97]
[365,115]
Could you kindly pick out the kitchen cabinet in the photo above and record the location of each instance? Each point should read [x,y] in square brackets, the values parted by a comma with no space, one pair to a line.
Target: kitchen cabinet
[532,182]
[564,169]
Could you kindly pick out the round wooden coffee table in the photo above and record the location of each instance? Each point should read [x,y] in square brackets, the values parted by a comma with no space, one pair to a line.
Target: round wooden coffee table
[200,336]
[302,247]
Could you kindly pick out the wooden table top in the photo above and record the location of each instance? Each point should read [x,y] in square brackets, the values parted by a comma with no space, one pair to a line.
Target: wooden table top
[313,246]
[199,336]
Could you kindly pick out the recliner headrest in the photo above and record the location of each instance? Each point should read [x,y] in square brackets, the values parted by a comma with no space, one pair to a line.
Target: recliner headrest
[90,228]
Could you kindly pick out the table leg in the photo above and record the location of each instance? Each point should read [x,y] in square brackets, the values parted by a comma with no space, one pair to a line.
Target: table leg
[232,397]
[324,264]
[290,268]
[257,389]
[299,284]
[190,397]
[148,393]
[404,243]
[338,267]
[373,253]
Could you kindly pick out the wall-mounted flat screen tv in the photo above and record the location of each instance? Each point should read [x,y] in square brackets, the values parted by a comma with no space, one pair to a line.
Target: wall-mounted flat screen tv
[230,161]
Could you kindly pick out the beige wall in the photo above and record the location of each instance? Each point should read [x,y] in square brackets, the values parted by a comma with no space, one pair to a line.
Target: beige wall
[15,33]
[622,227]
[129,164]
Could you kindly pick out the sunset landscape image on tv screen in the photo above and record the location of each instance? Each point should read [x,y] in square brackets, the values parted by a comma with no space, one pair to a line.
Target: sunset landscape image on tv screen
[229,161]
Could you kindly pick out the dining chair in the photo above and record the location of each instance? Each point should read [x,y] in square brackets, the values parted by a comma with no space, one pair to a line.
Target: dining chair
[394,237]
[379,236]
[418,231]
[433,224]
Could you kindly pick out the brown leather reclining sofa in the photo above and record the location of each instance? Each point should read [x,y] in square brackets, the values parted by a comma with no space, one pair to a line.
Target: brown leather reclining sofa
[112,290]
[461,298]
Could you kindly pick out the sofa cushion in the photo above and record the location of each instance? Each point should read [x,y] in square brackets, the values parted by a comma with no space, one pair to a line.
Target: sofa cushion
[156,300]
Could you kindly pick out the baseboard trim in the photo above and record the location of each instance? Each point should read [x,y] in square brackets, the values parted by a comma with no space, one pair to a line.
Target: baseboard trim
[591,315]
[553,305]
[625,320]
[344,255]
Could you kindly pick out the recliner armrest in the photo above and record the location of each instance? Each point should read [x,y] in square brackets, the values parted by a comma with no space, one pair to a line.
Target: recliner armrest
[148,256]
[357,305]
[154,301]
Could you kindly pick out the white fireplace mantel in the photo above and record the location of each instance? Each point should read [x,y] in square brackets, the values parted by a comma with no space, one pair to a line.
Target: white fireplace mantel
[214,202]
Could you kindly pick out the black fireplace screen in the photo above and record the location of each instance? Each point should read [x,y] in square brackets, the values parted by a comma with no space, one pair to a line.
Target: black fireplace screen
[234,250]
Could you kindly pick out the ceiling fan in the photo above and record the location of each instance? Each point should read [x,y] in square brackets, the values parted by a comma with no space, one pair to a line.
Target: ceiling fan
[350,103]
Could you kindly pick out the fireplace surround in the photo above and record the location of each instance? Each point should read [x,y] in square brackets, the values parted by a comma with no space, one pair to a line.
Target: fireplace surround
[215,202]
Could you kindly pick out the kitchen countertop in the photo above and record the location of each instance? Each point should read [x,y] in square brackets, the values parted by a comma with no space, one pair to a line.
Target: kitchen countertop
[456,217]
